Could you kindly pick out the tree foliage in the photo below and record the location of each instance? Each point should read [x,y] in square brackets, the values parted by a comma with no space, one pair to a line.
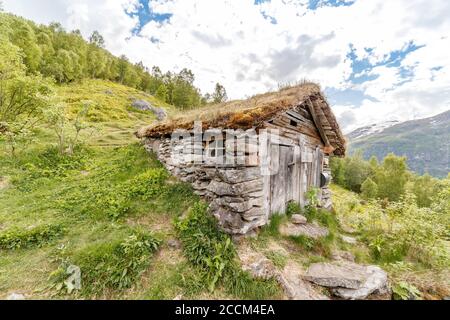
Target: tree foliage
[390,180]
[220,94]
[67,57]
[369,189]
[22,96]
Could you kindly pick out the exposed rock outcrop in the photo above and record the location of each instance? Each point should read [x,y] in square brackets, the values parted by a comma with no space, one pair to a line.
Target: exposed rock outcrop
[295,287]
[146,106]
[349,240]
[349,280]
[343,256]
[290,278]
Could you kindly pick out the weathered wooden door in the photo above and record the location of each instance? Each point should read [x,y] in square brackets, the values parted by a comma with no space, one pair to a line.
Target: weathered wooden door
[294,171]
[310,170]
[281,191]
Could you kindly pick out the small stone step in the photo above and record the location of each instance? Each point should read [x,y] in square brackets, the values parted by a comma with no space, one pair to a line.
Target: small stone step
[308,230]
[299,219]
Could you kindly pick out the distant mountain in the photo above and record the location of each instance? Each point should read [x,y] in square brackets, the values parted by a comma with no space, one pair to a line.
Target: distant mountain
[371,129]
[426,143]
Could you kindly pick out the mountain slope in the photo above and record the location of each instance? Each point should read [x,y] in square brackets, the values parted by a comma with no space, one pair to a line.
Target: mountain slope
[425,142]
[371,130]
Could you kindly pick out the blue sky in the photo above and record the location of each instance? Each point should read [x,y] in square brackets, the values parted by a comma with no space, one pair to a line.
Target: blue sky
[376,60]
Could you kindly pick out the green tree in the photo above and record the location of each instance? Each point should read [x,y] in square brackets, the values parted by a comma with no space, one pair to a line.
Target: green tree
[391,177]
[369,189]
[68,131]
[22,97]
[97,39]
[24,37]
[338,171]
[220,94]
[161,93]
[425,188]
[122,68]
[356,172]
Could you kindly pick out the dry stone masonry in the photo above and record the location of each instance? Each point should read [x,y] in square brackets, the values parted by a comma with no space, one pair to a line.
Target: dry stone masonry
[250,159]
[235,193]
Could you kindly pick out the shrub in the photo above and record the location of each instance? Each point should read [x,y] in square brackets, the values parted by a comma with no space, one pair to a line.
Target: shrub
[405,291]
[214,255]
[425,188]
[402,230]
[204,245]
[391,177]
[369,189]
[116,265]
[293,208]
[26,238]
[350,172]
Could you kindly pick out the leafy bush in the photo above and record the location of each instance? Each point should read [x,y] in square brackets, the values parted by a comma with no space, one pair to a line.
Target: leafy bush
[405,291]
[350,172]
[214,255]
[116,265]
[111,191]
[402,230]
[293,208]
[369,189]
[26,238]
[204,245]
[47,164]
[391,177]
[425,189]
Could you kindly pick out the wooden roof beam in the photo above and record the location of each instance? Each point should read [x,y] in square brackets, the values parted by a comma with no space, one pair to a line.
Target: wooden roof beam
[328,147]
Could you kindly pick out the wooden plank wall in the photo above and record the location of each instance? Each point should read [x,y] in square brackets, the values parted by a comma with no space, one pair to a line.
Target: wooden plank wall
[302,150]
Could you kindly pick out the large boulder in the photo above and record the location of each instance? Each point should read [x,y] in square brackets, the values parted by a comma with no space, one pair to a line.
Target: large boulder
[143,105]
[337,275]
[290,278]
[376,283]
[295,287]
[349,280]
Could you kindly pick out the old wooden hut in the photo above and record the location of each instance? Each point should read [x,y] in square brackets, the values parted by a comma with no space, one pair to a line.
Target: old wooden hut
[250,158]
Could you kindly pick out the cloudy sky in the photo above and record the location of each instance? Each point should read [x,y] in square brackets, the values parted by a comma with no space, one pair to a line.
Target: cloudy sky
[377,60]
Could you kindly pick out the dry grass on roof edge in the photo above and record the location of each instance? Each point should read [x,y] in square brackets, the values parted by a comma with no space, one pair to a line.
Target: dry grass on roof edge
[239,114]
[247,114]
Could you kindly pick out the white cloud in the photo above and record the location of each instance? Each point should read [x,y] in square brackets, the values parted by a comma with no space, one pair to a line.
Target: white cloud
[236,43]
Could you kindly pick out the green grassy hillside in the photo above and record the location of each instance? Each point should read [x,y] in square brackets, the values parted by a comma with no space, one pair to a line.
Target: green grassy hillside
[109,209]
[55,208]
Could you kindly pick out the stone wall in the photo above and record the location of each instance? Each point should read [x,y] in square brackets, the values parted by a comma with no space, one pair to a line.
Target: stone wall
[235,193]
